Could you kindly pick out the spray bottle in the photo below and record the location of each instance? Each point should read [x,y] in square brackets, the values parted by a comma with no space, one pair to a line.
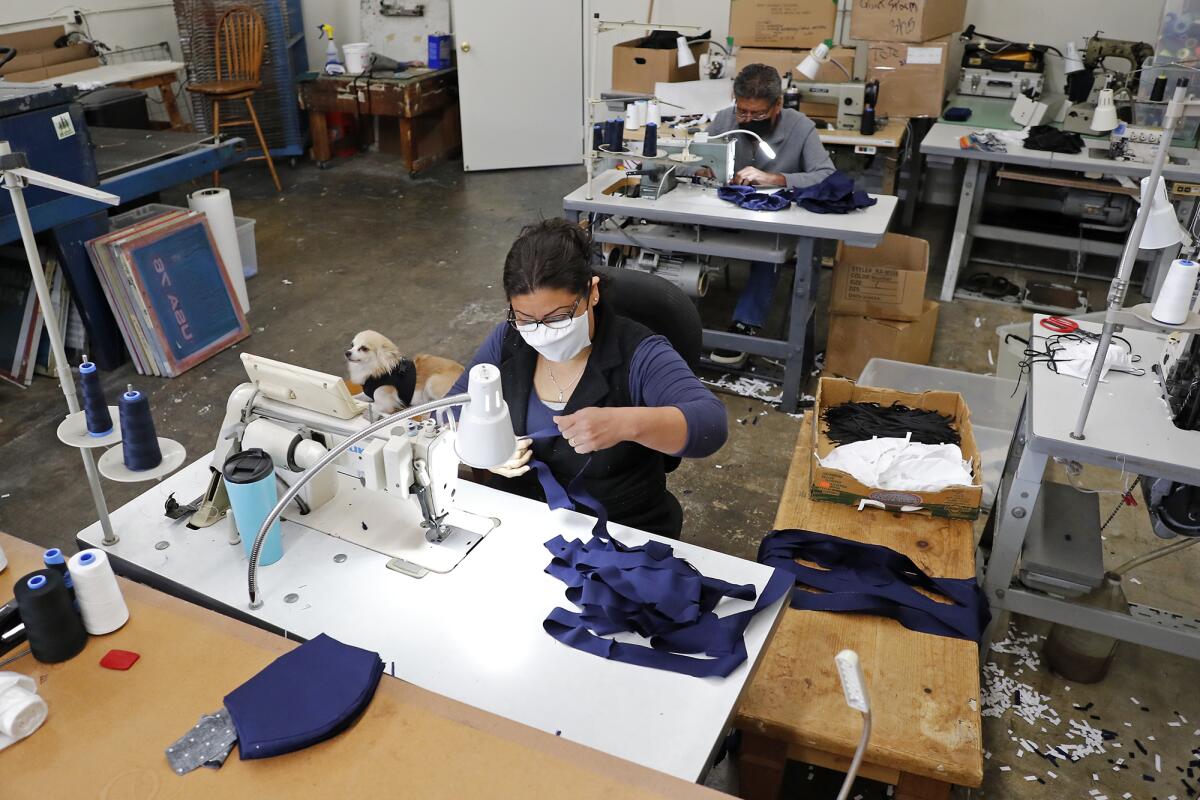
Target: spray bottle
[333,64]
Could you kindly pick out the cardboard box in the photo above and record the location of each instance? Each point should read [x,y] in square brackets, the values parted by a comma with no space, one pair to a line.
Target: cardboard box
[27,75]
[55,70]
[885,282]
[914,79]
[906,20]
[836,486]
[854,340]
[785,61]
[781,23]
[34,39]
[637,69]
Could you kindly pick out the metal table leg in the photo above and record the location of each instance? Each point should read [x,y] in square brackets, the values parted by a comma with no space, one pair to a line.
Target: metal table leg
[960,241]
[1013,512]
[916,168]
[804,289]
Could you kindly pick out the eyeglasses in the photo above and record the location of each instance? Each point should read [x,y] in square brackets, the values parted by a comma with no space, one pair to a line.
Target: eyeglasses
[553,321]
[752,116]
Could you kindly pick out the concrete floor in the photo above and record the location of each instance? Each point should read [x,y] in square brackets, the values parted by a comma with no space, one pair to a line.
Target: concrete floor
[362,245]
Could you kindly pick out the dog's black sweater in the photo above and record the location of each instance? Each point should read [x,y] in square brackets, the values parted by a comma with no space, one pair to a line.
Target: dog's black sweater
[403,376]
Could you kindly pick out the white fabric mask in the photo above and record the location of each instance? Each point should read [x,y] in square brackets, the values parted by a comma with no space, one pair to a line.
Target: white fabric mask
[560,344]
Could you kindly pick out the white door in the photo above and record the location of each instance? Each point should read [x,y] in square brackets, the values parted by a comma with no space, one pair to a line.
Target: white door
[520,82]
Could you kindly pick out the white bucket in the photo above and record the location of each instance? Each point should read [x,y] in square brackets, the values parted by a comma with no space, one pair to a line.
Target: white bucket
[356,55]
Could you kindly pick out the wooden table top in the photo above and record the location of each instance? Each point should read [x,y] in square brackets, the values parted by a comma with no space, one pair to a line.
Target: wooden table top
[107,731]
[924,689]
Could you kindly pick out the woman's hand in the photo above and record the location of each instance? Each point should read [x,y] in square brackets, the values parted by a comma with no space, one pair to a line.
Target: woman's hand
[519,463]
[592,429]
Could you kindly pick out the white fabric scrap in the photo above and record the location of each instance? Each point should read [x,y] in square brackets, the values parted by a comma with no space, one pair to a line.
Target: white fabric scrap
[901,465]
[1075,359]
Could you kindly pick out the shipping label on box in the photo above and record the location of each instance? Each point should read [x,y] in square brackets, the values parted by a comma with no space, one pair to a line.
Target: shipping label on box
[874,284]
[782,23]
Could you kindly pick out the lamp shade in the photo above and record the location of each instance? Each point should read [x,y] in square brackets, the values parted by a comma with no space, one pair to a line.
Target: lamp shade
[685,58]
[1105,116]
[1072,62]
[812,62]
[1162,228]
[485,434]
[766,149]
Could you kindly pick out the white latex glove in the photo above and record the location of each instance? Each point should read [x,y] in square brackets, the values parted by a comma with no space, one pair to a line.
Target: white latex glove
[519,463]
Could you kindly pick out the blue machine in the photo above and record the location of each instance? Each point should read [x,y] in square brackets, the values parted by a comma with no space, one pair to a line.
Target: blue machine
[47,126]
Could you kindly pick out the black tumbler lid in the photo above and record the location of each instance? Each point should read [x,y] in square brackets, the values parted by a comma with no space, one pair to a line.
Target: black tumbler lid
[248,466]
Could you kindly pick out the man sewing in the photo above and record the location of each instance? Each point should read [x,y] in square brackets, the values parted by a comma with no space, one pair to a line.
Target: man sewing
[800,160]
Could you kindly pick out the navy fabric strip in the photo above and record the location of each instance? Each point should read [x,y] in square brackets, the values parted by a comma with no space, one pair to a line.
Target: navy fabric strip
[871,579]
[646,590]
[834,195]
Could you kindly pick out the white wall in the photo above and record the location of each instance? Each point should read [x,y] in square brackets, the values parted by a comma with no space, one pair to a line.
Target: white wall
[117,23]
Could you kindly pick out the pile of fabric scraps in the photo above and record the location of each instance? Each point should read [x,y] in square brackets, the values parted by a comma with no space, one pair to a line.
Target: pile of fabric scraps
[301,698]
[645,590]
[1074,358]
[834,195]
[1054,140]
[855,422]
[986,141]
[901,464]
[855,577]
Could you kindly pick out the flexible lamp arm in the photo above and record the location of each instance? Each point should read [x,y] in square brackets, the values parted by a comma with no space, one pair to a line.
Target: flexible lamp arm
[766,149]
[310,473]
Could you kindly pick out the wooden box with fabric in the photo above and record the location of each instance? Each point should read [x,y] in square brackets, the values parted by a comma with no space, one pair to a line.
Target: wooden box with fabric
[924,688]
[837,486]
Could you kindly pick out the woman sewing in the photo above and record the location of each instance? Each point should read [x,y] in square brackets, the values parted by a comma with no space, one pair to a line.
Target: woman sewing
[620,398]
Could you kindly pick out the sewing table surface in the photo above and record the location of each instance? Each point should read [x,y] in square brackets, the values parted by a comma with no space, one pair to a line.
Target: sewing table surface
[924,689]
[695,205]
[125,72]
[473,634]
[107,730]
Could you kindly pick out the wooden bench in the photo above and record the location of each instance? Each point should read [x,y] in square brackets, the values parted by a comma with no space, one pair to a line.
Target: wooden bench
[924,689]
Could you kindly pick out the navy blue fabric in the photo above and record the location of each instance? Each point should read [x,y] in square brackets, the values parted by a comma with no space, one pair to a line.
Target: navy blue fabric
[871,579]
[303,697]
[749,198]
[834,195]
[646,590]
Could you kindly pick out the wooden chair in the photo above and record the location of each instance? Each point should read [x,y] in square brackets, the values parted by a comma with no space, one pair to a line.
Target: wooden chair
[241,38]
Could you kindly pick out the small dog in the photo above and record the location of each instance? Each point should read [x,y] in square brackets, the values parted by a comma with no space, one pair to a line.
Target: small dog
[394,382]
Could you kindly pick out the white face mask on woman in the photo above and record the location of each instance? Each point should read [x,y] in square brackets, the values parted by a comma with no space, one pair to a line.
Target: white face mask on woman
[560,344]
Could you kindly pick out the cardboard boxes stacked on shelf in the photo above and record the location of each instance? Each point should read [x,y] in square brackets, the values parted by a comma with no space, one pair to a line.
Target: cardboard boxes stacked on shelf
[912,50]
[38,58]
[878,306]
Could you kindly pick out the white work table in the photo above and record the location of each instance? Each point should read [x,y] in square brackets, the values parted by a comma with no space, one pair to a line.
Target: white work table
[700,208]
[473,634]
[942,140]
[158,74]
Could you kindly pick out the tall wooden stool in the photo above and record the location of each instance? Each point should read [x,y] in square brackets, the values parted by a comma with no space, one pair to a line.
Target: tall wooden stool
[239,53]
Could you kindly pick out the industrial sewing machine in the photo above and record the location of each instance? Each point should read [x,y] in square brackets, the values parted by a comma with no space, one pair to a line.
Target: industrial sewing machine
[849,99]
[392,493]
[659,175]
[1083,86]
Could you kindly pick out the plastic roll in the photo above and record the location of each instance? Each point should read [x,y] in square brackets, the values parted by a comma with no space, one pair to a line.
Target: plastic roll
[139,443]
[52,625]
[653,113]
[101,603]
[250,484]
[1174,299]
[650,142]
[217,206]
[631,117]
[21,710]
[95,405]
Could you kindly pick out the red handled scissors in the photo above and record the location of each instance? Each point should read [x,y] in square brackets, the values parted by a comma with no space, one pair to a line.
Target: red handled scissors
[1060,324]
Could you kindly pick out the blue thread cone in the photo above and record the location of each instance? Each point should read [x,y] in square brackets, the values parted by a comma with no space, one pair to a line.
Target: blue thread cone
[139,439]
[95,405]
[597,135]
[650,143]
[615,134]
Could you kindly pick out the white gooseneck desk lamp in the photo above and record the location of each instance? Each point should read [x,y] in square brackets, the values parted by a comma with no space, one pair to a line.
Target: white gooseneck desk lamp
[16,175]
[1138,316]
[485,439]
[854,687]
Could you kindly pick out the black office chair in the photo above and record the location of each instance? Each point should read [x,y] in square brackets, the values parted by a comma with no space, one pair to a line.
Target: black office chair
[659,305]
[662,307]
